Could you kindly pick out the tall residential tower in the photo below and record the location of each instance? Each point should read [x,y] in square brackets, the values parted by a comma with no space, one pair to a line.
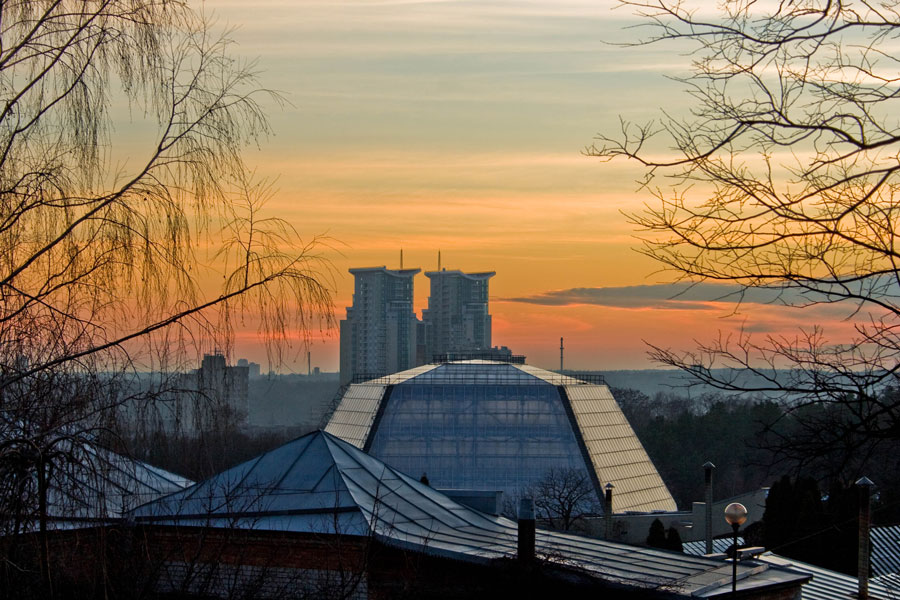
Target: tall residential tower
[457,318]
[379,334]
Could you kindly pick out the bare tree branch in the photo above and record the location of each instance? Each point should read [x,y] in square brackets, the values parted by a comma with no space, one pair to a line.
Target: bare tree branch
[784,175]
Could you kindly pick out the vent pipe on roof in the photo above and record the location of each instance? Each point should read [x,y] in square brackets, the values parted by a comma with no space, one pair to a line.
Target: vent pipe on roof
[608,510]
[865,485]
[707,476]
[526,530]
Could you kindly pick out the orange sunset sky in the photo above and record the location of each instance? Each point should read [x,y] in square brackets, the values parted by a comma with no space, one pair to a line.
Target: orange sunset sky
[459,126]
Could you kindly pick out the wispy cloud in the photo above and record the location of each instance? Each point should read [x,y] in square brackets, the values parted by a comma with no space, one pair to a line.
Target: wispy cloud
[673,296]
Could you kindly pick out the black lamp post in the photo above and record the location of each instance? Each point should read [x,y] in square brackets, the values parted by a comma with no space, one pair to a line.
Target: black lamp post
[736,515]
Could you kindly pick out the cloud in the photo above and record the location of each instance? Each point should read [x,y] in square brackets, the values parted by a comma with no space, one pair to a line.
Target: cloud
[673,296]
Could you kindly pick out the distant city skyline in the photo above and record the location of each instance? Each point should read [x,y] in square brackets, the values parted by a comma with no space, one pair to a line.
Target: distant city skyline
[459,127]
[382,334]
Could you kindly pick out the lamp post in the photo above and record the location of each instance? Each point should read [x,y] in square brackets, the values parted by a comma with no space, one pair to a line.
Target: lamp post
[736,515]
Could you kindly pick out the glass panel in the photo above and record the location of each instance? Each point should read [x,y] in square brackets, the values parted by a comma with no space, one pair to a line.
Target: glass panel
[475,426]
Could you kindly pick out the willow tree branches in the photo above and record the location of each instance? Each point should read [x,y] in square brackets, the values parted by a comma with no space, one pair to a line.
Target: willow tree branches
[110,233]
[131,234]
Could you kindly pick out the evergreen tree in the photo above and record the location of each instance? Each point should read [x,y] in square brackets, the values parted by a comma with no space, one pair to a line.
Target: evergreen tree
[656,538]
[673,540]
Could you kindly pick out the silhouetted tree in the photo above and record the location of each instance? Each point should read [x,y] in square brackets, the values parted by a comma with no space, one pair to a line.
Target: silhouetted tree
[114,259]
[784,185]
[673,540]
[656,537]
[563,497]
[800,523]
[727,432]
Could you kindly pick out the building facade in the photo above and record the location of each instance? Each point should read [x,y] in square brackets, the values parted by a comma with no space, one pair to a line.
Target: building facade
[488,425]
[379,334]
[457,317]
[222,399]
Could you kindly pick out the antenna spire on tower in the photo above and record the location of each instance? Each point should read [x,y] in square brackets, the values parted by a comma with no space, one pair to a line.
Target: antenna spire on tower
[561,354]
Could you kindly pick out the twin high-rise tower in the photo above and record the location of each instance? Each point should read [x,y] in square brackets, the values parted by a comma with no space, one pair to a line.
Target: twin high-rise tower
[379,333]
[382,335]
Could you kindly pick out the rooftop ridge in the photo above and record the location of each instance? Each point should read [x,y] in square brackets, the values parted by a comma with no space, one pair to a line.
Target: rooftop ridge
[481,275]
[384,269]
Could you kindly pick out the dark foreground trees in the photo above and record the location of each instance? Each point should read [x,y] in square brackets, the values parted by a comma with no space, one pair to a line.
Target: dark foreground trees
[131,234]
[783,181]
[680,435]
[804,523]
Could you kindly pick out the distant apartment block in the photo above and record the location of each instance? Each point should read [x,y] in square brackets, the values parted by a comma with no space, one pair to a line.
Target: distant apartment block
[379,334]
[254,368]
[457,318]
[222,394]
[214,397]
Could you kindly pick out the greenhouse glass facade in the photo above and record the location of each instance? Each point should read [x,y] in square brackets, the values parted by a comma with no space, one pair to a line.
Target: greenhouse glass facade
[476,427]
[486,425]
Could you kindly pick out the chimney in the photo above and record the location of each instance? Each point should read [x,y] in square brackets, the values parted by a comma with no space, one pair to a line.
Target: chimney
[608,510]
[864,485]
[707,476]
[526,530]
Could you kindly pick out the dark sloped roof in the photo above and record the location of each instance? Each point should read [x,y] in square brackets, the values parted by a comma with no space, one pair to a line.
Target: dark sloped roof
[321,484]
[96,484]
[829,585]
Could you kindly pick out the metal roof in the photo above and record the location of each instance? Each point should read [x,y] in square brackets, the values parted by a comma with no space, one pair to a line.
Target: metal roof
[885,550]
[319,483]
[97,484]
[353,418]
[720,546]
[827,584]
[616,454]
[890,581]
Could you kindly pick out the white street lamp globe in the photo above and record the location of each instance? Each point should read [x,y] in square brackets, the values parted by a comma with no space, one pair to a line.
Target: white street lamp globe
[736,513]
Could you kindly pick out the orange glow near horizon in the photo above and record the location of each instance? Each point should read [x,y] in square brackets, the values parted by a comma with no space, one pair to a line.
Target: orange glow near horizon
[460,128]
